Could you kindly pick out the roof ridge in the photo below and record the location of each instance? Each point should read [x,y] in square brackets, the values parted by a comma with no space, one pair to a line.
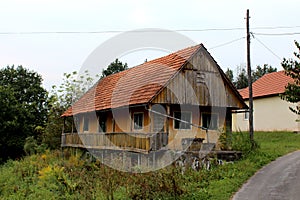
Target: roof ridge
[155,59]
[269,84]
[126,88]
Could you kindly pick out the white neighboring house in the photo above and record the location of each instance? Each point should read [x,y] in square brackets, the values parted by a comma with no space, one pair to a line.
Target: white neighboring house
[270,112]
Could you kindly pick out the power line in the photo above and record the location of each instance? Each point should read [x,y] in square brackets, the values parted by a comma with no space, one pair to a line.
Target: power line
[277,34]
[154,30]
[275,27]
[227,43]
[116,31]
[272,52]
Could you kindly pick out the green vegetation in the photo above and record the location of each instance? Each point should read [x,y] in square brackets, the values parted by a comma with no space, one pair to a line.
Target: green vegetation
[30,115]
[114,67]
[241,79]
[49,176]
[23,105]
[292,90]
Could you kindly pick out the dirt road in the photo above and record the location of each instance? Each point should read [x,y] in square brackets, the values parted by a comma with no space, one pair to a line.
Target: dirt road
[278,180]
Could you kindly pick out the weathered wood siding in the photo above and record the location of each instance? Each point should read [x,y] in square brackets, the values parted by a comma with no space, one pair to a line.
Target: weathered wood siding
[118,120]
[176,135]
[139,142]
[199,83]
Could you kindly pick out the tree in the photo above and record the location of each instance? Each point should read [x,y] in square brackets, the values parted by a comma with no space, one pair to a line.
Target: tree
[23,103]
[260,71]
[292,69]
[242,79]
[114,67]
[229,74]
[63,96]
[60,99]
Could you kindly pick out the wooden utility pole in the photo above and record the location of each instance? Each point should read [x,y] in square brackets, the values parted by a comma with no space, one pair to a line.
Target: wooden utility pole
[249,80]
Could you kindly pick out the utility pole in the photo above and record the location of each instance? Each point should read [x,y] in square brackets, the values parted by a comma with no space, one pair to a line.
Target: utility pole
[251,134]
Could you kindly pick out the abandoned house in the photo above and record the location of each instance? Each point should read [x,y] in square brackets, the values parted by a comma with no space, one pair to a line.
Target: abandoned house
[159,104]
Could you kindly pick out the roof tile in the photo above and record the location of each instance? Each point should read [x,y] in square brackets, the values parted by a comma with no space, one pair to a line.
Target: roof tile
[136,85]
[269,84]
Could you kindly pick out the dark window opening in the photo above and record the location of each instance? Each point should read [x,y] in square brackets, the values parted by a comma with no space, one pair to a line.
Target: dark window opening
[246,116]
[186,120]
[138,121]
[102,123]
[210,121]
[85,124]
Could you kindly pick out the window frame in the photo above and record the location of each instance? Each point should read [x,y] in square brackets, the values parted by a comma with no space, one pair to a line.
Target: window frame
[86,124]
[246,116]
[134,124]
[174,120]
[217,122]
[100,119]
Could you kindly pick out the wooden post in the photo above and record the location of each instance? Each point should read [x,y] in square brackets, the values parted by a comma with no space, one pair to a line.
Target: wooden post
[150,118]
[72,125]
[64,124]
[153,160]
[168,121]
[114,125]
[251,134]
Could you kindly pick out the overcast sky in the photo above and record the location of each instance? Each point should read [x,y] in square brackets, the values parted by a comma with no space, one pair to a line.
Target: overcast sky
[30,31]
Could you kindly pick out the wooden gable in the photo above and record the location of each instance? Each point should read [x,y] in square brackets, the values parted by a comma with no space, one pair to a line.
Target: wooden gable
[200,82]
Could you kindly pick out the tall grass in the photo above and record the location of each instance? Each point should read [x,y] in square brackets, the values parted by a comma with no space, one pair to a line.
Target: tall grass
[49,176]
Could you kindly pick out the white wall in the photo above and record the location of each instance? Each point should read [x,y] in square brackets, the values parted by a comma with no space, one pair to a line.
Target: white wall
[269,114]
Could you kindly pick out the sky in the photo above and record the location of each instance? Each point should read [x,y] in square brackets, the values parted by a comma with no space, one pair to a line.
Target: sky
[52,37]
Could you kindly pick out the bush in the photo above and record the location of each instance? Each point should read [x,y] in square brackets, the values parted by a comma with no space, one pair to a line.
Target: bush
[238,141]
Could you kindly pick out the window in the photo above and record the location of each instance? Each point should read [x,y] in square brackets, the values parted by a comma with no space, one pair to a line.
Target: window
[210,121]
[102,123]
[138,121]
[184,116]
[246,116]
[85,124]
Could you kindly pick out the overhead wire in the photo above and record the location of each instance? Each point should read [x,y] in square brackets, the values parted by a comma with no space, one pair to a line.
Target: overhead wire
[177,30]
[275,27]
[156,30]
[116,31]
[277,34]
[269,49]
[227,43]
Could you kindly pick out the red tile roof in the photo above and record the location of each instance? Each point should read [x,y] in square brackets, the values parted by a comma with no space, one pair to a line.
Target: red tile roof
[269,84]
[137,85]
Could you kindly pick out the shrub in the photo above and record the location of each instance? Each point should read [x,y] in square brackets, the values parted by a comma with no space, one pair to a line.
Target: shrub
[238,141]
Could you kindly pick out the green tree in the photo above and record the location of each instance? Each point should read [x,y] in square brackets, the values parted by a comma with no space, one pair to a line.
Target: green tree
[61,98]
[242,79]
[292,69]
[23,107]
[114,67]
[229,74]
[260,71]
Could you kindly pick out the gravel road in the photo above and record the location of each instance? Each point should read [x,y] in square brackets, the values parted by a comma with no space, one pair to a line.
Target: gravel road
[278,180]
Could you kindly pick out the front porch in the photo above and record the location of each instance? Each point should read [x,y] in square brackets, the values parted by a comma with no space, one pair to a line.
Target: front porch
[136,142]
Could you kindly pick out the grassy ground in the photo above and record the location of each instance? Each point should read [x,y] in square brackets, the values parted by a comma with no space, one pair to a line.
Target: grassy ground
[48,176]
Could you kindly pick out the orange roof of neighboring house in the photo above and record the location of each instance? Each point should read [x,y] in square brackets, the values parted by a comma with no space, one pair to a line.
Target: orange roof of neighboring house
[269,84]
[137,85]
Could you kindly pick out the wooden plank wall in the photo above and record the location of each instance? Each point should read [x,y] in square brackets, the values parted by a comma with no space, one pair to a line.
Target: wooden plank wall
[139,142]
[199,83]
